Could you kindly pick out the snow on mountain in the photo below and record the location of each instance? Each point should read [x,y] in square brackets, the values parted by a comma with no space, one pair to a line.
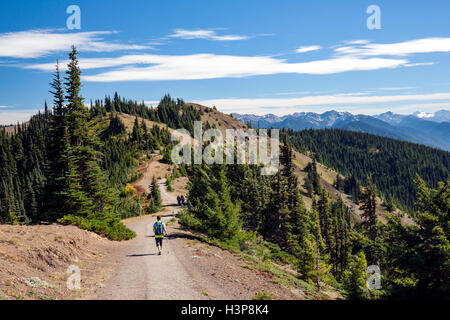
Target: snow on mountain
[423,115]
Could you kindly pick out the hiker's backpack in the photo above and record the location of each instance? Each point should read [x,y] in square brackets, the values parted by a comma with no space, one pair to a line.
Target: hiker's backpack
[159,228]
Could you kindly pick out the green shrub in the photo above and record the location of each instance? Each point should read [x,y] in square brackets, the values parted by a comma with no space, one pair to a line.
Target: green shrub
[263,296]
[127,208]
[188,221]
[169,183]
[135,177]
[105,225]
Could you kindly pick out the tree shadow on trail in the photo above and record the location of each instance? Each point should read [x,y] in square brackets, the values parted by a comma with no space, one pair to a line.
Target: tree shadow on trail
[173,214]
[142,255]
[170,205]
[183,235]
[180,235]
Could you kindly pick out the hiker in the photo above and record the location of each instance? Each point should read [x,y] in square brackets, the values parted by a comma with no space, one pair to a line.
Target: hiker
[159,228]
[179,200]
[182,200]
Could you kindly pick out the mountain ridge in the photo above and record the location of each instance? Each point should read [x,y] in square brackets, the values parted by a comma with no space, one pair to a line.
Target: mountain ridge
[418,128]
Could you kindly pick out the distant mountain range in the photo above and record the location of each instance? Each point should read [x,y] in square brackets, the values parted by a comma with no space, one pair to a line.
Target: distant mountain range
[432,129]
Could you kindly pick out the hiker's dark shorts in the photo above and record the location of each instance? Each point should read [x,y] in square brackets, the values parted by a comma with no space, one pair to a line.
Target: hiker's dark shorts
[159,241]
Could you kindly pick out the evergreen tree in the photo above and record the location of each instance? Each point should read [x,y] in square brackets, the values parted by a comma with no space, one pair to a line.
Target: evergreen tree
[85,192]
[57,149]
[136,134]
[339,183]
[352,187]
[355,278]
[155,196]
[210,207]
[418,255]
[116,127]
[312,181]
[368,206]
[340,243]
[390,204]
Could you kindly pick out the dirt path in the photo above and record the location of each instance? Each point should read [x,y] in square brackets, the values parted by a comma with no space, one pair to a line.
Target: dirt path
[143,274]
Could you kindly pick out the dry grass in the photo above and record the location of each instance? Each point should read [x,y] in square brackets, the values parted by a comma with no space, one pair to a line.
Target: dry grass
[34,260]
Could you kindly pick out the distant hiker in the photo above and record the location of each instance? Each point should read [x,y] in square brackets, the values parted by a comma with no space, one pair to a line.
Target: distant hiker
[159,228]
[179,200]
[182,200]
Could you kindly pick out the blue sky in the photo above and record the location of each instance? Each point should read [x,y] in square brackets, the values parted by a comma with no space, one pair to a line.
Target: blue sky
[255,57]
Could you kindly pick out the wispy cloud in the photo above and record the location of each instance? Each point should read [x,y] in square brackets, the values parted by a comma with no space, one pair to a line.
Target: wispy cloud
[428,107]
[419,64]
[396,88]
[38,43]
[361,41]
[205,34]
[210,66]
[360,56]
[425,45]
[286,105]
[96,63]
[307,49]
[13,116]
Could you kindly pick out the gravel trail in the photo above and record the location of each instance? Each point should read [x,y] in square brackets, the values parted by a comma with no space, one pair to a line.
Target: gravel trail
[142,274]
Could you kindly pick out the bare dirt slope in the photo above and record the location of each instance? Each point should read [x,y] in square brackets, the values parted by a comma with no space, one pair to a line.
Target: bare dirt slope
[222,120]
[34,261]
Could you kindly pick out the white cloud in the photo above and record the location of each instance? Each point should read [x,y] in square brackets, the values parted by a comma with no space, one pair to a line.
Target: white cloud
[204,34]
[95,63]
[419,64]
[425,45]
[210,66]
[362,41]
[38,43]
[307,49]
[428,107]
[13,116]
[150,67]
[285,105]
[397,88]
[292,93]
[151,103]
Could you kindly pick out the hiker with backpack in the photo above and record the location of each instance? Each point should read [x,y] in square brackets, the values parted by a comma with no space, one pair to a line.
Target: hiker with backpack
[159,228]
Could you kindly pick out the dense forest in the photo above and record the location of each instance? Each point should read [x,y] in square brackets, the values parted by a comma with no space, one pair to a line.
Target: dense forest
[176,114]
[392,164]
